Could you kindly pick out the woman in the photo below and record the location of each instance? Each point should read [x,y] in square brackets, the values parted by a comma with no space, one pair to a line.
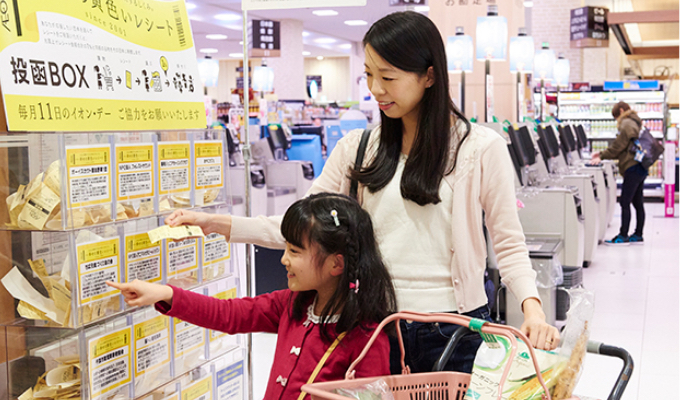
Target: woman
[427,178]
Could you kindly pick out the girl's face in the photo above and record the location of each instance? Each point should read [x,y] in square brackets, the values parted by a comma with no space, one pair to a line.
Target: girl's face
[305,273]
[398,92]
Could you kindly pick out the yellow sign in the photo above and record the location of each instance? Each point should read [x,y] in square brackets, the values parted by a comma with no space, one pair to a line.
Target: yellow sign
[89,175]
[93,65]
[173,164]
[152,344]
[135,171]
[201,389]
[143,260]
[109,361]
[209,164]
[97,263]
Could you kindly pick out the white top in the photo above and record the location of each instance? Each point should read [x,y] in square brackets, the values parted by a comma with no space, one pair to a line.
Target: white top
[482,183]
[405,234]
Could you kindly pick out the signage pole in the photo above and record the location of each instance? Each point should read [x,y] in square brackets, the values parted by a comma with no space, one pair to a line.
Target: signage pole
[487,72]
[462,92]
[246,160]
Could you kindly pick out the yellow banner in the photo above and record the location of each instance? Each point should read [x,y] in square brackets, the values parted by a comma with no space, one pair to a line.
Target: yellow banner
[31,113]
[151,326]
[110,342]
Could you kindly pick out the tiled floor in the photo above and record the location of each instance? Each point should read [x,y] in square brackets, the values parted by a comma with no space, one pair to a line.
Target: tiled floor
[636,307]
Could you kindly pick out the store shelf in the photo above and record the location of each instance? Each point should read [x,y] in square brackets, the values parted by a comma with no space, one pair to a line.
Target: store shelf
[642,115]
[655,134]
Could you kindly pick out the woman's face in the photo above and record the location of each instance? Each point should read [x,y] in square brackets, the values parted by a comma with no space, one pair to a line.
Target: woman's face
[398,92]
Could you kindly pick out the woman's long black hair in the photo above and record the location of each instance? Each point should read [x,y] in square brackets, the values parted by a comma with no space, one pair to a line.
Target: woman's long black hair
[309,222]
[411,42]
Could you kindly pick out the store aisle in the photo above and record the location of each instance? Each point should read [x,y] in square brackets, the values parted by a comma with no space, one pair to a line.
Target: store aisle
[636,307]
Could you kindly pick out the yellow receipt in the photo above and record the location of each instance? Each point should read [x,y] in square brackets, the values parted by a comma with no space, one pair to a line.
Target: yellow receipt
[175,233]
[38,207]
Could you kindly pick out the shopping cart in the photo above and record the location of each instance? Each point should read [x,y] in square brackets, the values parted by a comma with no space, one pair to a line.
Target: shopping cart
[448,385]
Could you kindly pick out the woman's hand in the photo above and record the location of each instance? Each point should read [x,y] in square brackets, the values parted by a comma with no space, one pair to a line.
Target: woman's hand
[595,158]
[209,223]
[542,335]
[142,293]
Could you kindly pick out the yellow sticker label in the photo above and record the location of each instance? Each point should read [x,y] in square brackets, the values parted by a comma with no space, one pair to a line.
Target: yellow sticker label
[85,156]
[210,149]
[147,328]
[98,250]
[201,389]
[110,342]
[172,151]
[130,154]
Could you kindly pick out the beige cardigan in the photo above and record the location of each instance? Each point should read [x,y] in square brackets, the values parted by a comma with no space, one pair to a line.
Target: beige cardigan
[482,180]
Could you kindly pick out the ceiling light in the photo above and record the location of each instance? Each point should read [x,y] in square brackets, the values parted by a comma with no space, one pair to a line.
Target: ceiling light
[228,17]
[305,34]
[345,46]
[319,58]
[208,50]
[528,3]
[236,55]
[190,6]
[421,8]
[325,13]
[325,40]
[241,42]
[306,53]
[216,36]
[356,22]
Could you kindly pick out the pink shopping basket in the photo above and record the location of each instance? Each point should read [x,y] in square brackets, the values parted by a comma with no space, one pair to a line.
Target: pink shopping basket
[429,385]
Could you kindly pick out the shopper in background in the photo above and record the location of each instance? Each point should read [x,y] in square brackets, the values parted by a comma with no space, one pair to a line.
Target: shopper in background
[427,179]
[339,290]
[634,174]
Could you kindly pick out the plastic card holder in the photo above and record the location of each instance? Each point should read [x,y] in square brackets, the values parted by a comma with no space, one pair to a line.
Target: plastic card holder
[152,350]
[216,257]
[189,344]
[169,391]
[229,376]
[109,360]
[96,258]
[182,262]
[143,260]
[208,151]
[174,171]
[197,384]
[220,342]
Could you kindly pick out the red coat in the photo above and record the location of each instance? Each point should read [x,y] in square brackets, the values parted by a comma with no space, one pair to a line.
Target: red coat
[271,313]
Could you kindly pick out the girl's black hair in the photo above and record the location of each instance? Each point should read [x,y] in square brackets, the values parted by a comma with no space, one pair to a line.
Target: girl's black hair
[309,222]
[411,42]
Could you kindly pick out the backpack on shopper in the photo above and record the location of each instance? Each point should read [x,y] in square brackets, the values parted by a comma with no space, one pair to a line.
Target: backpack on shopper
[646,148]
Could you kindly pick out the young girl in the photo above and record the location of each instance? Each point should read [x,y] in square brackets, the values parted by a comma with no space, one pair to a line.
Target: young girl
[430,180]
[338,286]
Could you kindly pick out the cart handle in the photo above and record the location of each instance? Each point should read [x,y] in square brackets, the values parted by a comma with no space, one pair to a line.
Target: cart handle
[463,320]
[626,371]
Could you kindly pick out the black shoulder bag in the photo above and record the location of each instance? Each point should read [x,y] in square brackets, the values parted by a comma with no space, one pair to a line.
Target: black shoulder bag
[354,187]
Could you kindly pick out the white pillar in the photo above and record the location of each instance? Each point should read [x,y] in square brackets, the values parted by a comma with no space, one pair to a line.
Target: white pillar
[289,69]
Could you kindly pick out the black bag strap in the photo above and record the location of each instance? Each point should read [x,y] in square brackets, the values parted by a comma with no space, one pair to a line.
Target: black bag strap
[354,187]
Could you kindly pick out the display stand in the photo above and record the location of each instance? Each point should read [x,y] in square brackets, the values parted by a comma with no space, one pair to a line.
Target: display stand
[65,333]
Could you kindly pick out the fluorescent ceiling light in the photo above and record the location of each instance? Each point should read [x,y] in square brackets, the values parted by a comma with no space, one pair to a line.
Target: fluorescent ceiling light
[208,50]
[528,3]
[190,6]
[325,40]
[345,46]
[216,36]
[319,58]
[325,13]
[228,17]
[305,34]
[356,22]
[236,55]
[241,42]
[306,53]
[421,8]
